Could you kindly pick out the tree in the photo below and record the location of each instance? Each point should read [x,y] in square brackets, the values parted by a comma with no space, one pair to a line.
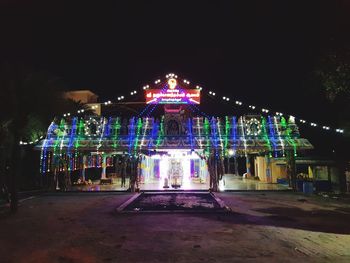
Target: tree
[333,75]
[30,99]
[333,72]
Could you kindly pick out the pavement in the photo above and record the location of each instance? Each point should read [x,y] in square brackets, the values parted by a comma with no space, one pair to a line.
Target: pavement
[261,227]
[230,182]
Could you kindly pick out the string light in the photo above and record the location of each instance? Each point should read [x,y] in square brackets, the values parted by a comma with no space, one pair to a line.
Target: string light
[339,130]
[172,75]
[264,110]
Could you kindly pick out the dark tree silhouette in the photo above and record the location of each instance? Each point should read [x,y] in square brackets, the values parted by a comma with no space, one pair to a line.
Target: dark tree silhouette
[30,100]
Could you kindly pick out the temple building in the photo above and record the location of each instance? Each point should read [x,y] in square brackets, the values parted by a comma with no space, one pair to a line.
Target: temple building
[177,147]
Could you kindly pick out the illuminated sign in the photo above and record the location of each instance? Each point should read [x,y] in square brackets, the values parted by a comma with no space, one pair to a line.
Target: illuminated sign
[172,83]
[172,96]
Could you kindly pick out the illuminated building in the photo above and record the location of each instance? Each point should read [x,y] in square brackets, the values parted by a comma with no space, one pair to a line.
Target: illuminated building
[183,148]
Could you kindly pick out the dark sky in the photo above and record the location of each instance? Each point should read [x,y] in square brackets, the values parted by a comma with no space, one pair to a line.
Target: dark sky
[261,52]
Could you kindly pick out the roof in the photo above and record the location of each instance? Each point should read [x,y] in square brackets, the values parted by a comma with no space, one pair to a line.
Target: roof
[247,134]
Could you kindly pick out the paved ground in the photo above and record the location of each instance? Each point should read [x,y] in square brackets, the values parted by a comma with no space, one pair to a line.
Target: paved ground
[230,182]
[263,227]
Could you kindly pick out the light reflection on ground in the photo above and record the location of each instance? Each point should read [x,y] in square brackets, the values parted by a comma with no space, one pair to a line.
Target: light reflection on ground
[229,182]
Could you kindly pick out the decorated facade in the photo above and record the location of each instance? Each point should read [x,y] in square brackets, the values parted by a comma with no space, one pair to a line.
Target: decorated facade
[181,149]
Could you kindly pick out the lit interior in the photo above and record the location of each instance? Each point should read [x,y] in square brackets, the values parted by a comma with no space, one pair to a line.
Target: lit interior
[175,169]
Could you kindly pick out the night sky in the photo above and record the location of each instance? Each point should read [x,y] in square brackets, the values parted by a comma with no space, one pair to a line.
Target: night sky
[261,53]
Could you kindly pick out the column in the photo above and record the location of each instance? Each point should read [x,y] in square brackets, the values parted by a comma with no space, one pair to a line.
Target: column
[228,164]
[291,169]
[104,165]
[247,158]
[268,172]
[236,164]
[83,168]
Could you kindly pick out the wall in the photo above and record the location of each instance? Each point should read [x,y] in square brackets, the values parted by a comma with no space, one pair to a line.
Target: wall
[277,169]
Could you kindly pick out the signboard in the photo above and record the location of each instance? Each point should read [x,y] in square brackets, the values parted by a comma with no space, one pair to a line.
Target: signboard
[172,95]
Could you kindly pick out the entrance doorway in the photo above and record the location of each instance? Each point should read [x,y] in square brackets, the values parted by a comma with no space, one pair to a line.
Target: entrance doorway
[174,170]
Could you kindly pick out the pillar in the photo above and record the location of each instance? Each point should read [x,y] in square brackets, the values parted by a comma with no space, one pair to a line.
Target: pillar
[228,164]
[104,165]
[83,168]
[236,164]
[268,172]
[247,162]
[291,169]
[56,179]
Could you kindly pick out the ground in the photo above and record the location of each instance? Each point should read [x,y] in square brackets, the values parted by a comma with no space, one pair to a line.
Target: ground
[230,182]
[261,227]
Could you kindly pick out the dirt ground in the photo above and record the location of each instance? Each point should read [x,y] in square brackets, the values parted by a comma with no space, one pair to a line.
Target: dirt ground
[262,227]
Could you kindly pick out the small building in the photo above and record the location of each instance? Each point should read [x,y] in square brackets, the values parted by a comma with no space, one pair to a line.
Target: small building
[86,97]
